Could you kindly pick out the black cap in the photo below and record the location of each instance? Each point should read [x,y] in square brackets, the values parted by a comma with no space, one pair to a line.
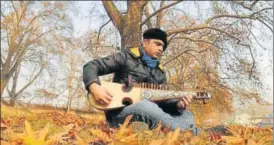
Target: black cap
[156,33]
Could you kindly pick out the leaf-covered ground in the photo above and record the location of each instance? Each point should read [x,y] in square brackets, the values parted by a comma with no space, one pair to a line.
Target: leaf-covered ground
[53,127]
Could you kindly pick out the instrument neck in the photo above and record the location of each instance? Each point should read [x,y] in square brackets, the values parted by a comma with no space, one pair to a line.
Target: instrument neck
[159,95]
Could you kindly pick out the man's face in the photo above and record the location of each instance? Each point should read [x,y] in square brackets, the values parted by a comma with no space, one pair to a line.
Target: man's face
[153,47]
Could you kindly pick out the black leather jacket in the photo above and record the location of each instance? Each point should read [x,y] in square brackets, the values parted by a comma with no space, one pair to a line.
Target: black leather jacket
[122,64]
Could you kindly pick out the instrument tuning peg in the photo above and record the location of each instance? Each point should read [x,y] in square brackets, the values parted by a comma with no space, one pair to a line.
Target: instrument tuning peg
[128,84]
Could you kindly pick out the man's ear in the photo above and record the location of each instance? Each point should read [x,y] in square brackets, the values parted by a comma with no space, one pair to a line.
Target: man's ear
[145,42]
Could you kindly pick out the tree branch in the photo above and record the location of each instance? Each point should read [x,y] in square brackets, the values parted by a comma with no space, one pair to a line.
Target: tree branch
[23,12]
[4,102]
[8,91]
[128,4]
[244,6]
[101,29]
[16,11]
[19,58]
[183,30]
[265,24]
[198,40]
[249,29]
[253,62]
[147,13]
[250,16]
[2,61]
[172,37]
[264,9]
[186,51]
[3,14]
[205,25]
[229,16]
[154,13]
[30,82]
[160,15]
[253,4]
[113,13]
[224,32]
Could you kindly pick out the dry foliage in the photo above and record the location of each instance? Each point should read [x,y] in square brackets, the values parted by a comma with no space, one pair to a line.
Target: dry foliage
[58,128]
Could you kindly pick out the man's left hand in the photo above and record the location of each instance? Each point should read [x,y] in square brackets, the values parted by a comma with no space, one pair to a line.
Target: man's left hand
[185,101]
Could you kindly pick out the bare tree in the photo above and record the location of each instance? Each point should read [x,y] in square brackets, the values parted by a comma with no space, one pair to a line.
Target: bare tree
[131,21]
[24,28]
[224,39]
[13,93]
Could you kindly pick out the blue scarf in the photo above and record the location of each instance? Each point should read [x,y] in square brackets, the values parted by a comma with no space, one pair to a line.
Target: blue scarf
[149,61]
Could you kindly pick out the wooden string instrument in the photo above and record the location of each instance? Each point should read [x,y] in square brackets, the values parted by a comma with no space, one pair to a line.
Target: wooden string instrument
[124,95]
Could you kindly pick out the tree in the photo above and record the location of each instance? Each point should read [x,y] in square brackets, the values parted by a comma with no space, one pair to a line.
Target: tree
[225,38]
[13,94]
[25,30]
[129,22]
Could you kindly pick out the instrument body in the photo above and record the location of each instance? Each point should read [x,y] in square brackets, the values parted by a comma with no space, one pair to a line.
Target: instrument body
[123,95]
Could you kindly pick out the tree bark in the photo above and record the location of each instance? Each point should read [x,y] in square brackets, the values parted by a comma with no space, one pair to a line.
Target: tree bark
[160,16]
[129,25]
[13,94]
[3,84]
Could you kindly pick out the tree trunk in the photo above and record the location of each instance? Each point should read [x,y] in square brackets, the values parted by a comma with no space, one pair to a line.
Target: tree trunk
[3,84]
[131,30]
[12,101]
[129,25]
[13,95]
[130,35]
[70,91]
[71,80]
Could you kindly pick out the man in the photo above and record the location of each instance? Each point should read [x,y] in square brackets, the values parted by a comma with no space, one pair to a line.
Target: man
[143,65]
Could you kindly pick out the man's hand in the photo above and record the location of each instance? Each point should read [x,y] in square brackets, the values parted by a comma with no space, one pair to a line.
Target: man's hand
[185,101]
[100,94]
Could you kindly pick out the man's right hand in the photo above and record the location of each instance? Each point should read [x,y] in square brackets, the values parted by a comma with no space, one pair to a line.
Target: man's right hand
[100,94]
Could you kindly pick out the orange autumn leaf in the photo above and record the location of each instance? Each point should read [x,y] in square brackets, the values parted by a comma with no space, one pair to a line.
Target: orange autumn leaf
[252,142]
[123,129]
[29,137]
[54,139]
[3,142]
[156,142]
[100,134]
[125,134]
[171,139]
[233,140]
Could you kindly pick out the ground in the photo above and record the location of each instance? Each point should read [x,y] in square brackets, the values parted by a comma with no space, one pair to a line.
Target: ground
[40,126]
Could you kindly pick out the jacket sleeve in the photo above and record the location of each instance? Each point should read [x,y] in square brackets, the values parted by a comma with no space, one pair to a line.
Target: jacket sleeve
[169,106]
[102,66]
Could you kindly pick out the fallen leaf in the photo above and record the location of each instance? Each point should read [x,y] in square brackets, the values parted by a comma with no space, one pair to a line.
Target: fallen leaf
[3,126]
[3,142]
[156,142]
[233,140]
[195,140]
[55,138]
[100,134]
[251,142]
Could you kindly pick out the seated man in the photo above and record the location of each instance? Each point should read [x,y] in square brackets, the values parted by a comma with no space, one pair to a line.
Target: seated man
[143,65]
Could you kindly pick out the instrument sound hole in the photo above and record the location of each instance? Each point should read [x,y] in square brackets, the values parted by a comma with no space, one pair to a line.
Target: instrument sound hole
[127,101]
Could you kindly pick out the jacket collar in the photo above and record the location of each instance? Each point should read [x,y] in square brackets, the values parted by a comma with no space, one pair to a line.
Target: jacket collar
[135,52]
